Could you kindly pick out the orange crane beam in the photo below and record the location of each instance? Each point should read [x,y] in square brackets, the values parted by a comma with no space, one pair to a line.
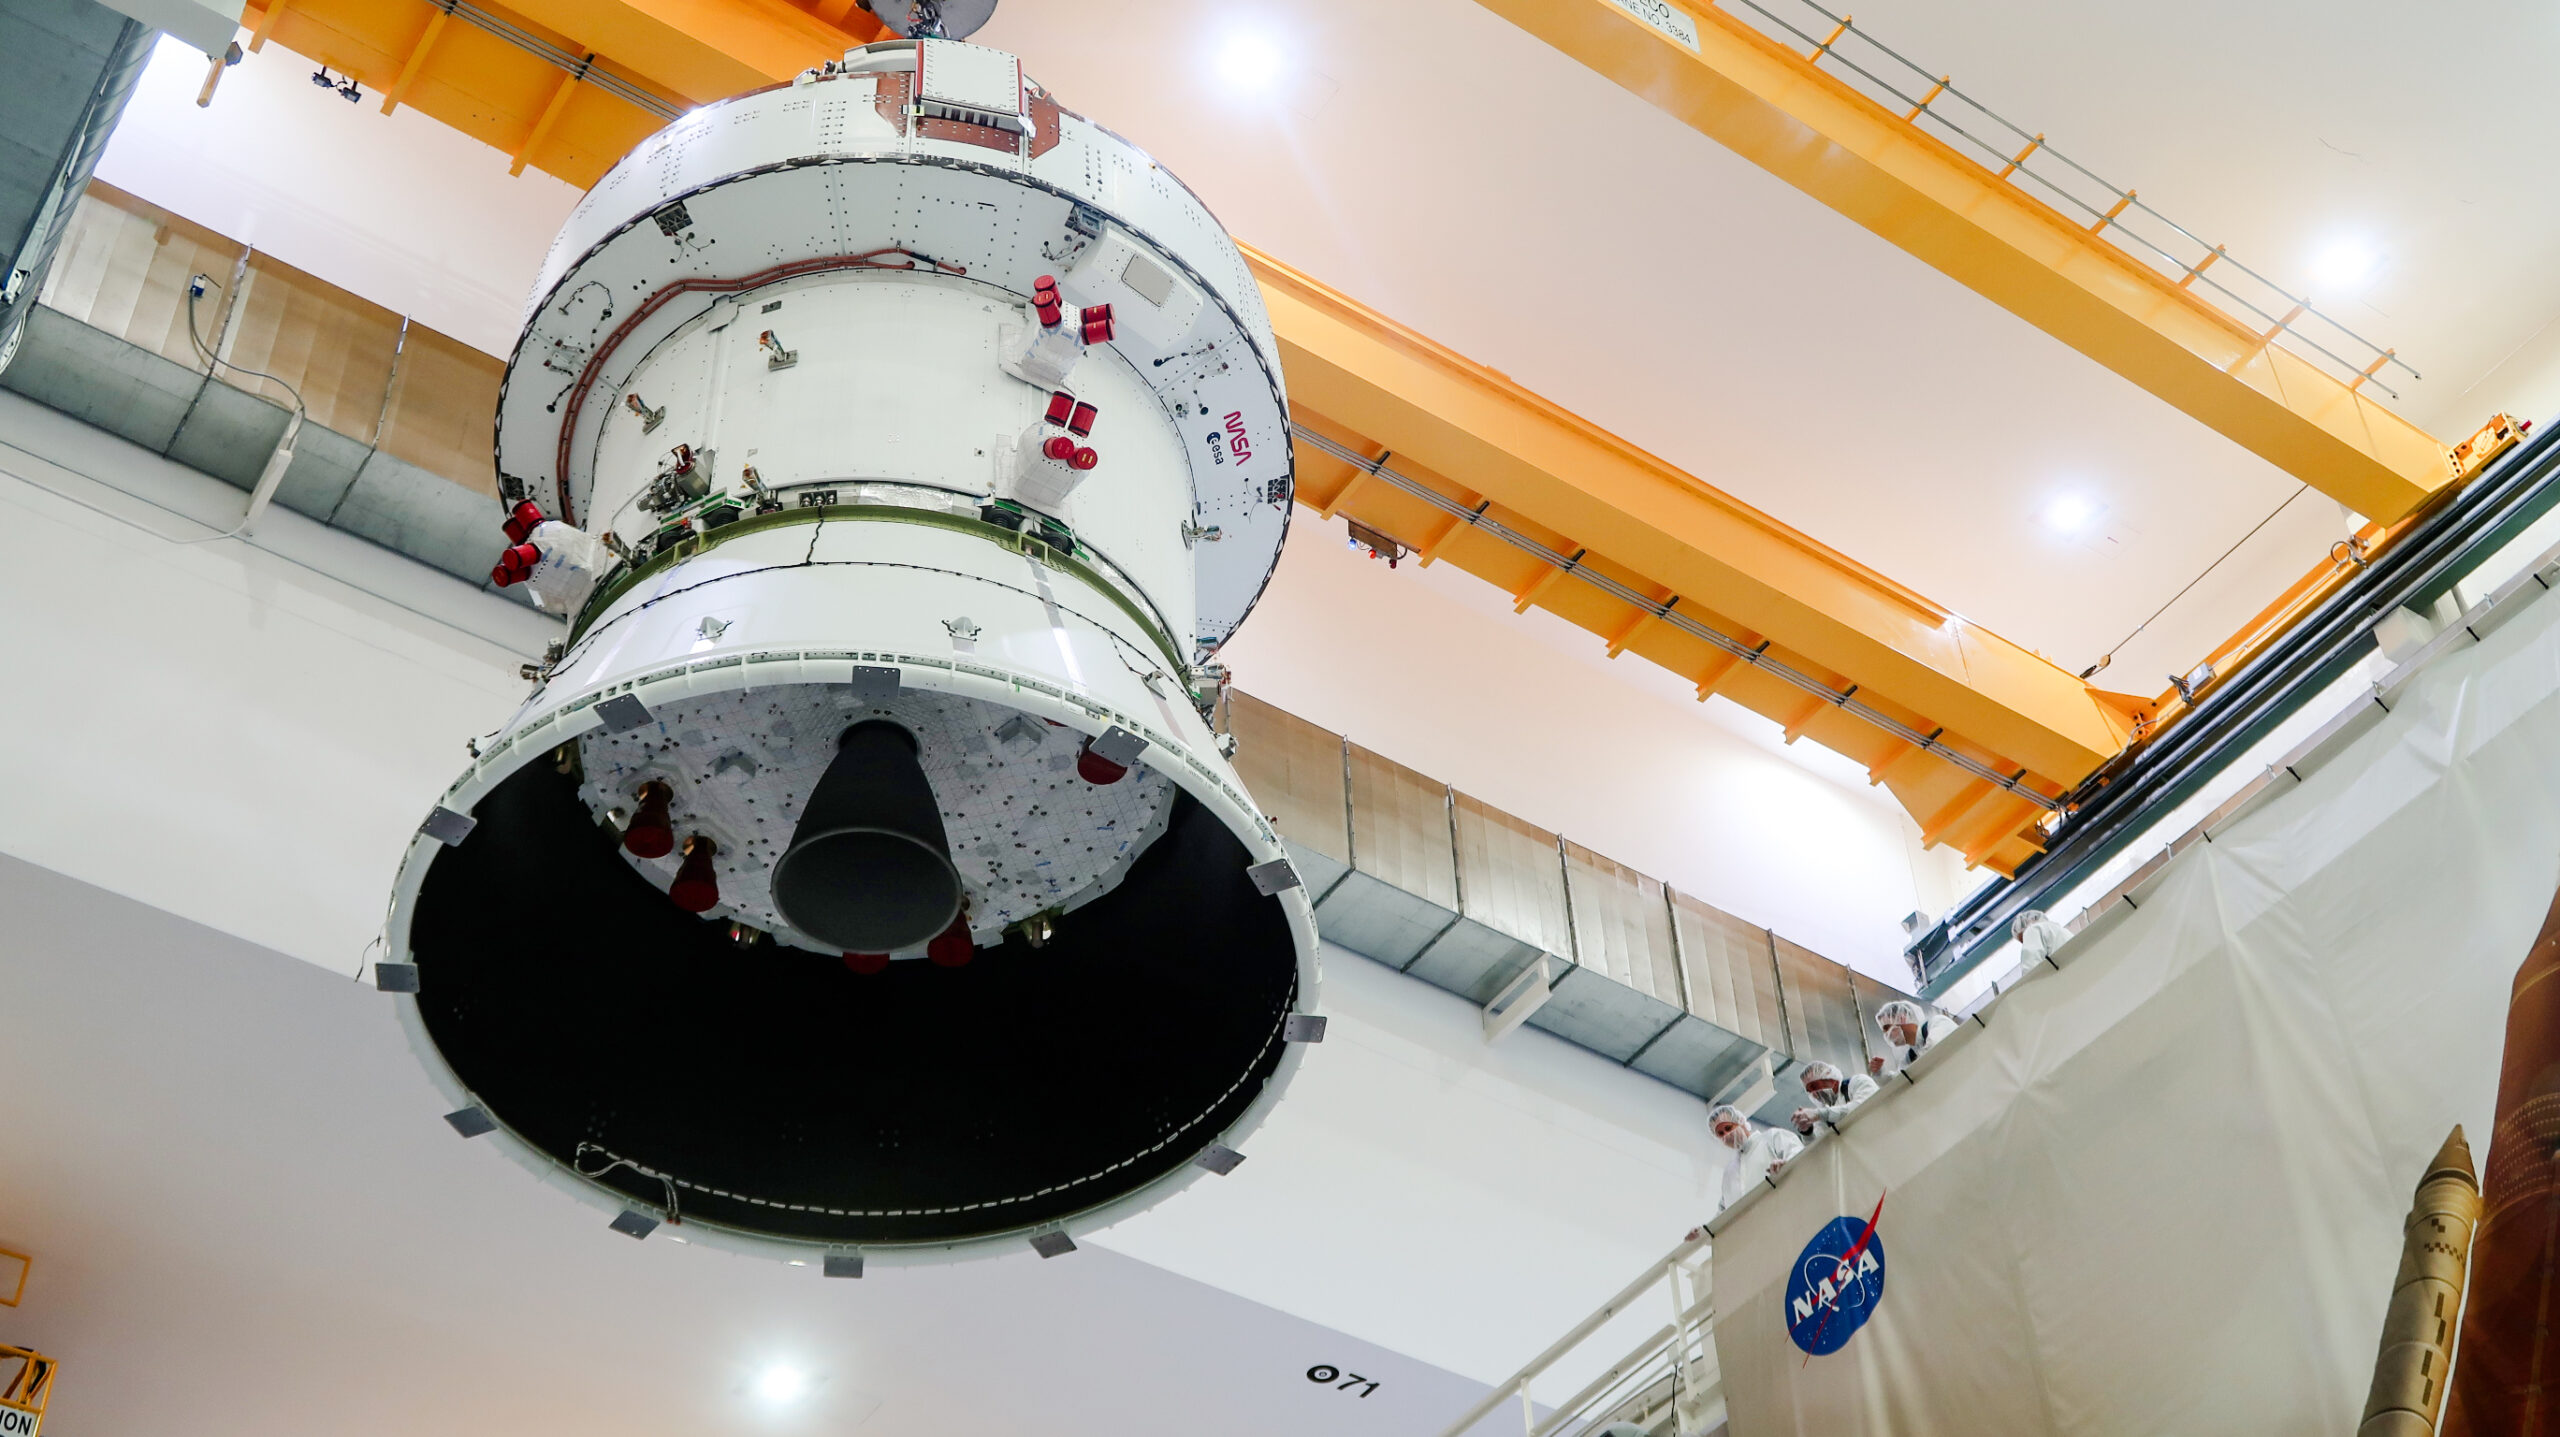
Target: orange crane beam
[705,49]
[1975,736]
[2063,272]
[496,72]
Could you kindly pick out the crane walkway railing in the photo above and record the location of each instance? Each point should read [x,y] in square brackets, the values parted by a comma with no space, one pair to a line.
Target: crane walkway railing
[1667,1385]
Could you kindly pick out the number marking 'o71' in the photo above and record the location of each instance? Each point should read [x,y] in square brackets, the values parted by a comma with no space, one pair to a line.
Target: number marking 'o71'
[1327,1372]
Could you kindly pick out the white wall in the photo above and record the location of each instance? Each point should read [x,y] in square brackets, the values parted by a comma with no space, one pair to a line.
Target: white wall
[398,208]
[1461,1202]
[226,1162]
[227,732]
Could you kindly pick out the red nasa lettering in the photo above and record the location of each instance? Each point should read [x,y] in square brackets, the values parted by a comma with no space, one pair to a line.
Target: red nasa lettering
[1236,439]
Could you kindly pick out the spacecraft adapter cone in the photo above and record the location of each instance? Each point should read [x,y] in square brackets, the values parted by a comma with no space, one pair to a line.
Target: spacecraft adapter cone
[869,867]
[865,873]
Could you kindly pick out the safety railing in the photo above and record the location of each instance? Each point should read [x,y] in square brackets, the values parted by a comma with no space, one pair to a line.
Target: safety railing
[1667,1385]
[2449,583]
[26,1386]
[1934,105]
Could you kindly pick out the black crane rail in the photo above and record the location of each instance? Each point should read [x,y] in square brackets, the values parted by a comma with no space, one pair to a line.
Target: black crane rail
[2115,808]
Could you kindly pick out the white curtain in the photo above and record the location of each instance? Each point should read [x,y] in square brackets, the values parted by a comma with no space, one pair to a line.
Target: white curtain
[2160,1191]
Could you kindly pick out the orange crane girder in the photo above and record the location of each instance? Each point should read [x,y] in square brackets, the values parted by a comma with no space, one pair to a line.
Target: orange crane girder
[1500,458]
[539,112]
[1779,108]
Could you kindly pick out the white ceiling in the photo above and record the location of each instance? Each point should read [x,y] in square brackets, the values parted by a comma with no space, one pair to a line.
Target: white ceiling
[2287,126]
[1445,167]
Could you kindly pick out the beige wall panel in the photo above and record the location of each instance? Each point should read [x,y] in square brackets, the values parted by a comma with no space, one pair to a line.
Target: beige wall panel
[1822,1008]
[1400,828]
[1293,769]
[444,402]
[334,348]
[1621,926]
[1732,972]
[1511,876]
[124,265]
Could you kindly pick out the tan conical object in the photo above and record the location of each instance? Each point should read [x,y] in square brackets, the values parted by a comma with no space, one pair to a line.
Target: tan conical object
[2426,1298]
[2505,1384]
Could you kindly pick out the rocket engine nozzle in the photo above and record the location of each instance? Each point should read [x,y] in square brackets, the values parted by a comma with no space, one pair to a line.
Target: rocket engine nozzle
[869,867]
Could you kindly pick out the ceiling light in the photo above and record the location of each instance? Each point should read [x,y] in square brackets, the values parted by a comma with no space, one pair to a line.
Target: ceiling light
[2344,266]
[2071,513]
[781,1383]
[1250,62]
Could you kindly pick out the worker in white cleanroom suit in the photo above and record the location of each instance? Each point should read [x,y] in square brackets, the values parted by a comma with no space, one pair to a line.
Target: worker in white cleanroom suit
[1832,1096]
[1758,1152]
[1908,1033]
[2038,934]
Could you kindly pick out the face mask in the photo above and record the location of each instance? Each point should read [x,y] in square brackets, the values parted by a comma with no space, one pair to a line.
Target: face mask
[1731,1137]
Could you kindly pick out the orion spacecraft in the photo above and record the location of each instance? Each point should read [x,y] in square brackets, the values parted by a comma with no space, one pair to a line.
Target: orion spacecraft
[864,877]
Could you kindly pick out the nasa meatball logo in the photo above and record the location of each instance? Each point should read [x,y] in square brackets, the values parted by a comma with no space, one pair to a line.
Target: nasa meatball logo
[1836,1284]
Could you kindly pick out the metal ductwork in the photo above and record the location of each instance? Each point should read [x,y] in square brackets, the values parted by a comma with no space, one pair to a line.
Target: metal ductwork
[66,70]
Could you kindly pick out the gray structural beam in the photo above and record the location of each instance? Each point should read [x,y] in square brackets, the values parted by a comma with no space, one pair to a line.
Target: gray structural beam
[66,69]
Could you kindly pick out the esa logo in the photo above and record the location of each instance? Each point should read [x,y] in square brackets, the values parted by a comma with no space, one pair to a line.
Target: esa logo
[1231,440]
[1837,1282]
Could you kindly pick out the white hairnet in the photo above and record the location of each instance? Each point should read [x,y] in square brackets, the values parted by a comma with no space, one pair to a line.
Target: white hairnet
[1820,1072]
[1726,1113]
[2026,916]
[1900,1010]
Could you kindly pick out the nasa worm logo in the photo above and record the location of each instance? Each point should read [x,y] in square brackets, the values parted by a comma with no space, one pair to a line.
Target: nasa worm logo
[1837,1282]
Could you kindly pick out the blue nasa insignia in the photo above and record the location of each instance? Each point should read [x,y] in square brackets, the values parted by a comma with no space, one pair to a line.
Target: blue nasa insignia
[1837,1282]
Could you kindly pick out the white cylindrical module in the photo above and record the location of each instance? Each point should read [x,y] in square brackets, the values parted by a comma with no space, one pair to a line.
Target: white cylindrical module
[865,875]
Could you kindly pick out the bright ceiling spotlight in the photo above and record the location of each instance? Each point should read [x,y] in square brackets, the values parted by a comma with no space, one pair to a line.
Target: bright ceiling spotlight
[781,1384]
[2071,513]
[2344,266]
[1250,62]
